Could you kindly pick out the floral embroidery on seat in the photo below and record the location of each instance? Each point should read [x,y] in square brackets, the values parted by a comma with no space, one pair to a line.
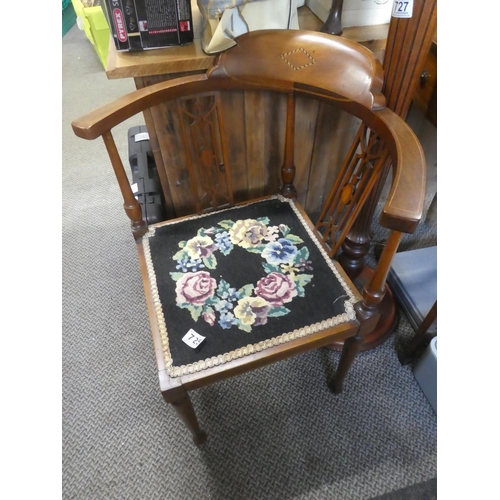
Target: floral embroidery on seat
[283,262]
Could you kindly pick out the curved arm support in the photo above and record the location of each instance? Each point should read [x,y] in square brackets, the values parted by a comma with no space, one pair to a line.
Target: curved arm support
[104,118]
[404,205]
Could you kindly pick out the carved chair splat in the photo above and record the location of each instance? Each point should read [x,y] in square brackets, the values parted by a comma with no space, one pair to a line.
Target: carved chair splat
[283,293]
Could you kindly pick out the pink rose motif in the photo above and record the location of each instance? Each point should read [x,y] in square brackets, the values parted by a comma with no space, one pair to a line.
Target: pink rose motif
[276,288]
[209,317]
[195,288]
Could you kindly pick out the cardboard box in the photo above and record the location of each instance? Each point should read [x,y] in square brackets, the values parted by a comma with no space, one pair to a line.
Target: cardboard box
[149,24]
[92,21]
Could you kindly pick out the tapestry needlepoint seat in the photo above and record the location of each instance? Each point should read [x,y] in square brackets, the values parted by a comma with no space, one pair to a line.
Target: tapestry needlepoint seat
[245,279]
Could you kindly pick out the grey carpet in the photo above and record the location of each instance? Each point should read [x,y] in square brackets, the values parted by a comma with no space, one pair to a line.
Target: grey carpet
[426,490]
[277,433]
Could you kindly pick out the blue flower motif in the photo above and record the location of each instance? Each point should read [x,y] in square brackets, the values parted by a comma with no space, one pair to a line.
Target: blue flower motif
[223,243]
[226,321]
[183,265]
[278,252]
[233,295]
[229,294]
[223,306]
[194,265]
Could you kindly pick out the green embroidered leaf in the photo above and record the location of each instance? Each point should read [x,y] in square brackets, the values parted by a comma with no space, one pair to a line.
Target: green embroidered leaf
[284,229]
[181,254]
[195,311]
[210,262]
[264,220]
[176,276]
[269,268]
[303,253]
[182,244]
[226,224]
[294,239]
[256,249]
[300,291]
[226,251]
[276,312]
[223,288]
[245,291]
[302,279]
[245,328]
[211,301]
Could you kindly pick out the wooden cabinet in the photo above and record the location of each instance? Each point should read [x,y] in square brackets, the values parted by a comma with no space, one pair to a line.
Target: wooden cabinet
[426,92]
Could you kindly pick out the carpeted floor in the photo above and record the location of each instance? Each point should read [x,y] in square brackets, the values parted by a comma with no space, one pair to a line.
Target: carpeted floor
[277,433]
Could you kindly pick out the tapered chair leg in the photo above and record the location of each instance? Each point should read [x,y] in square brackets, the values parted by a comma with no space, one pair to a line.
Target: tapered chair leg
[350,349]
[181,401]
[352,346]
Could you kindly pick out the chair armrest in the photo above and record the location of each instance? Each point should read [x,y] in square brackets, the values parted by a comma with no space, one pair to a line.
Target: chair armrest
[103,119]
[404,204]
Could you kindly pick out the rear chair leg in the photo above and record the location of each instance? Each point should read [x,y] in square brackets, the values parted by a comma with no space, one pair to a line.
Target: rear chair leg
[180,400]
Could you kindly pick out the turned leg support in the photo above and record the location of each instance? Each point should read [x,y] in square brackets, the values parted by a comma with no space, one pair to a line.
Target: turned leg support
[180,400]
[367,310]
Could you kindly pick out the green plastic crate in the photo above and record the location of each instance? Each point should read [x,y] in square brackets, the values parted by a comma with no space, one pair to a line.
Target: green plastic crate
[93,22]
[68,16]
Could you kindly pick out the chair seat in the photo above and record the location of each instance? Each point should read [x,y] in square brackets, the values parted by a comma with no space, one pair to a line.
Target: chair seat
[246,278]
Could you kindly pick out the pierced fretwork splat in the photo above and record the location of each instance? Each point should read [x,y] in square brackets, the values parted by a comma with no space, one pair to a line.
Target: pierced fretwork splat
[358,173]
[206,152]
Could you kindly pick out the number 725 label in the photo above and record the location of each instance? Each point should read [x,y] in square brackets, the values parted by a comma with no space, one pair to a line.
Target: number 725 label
[193,339]
[402,8]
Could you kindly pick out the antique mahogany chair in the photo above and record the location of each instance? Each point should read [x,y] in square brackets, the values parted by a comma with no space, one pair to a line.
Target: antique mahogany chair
[233,283]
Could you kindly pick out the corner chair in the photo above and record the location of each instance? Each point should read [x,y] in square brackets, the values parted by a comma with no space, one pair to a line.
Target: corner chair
[235,281]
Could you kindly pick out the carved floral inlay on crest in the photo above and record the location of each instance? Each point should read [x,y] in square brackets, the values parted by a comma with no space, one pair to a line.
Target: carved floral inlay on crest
[298,59]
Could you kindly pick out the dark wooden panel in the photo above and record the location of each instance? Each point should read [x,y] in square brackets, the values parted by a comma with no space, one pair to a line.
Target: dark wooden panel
[254,128]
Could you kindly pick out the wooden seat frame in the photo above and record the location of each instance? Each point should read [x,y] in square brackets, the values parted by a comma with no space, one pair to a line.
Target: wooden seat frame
[295,63]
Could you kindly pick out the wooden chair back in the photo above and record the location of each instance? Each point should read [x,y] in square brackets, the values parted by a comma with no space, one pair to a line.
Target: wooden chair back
[286,65]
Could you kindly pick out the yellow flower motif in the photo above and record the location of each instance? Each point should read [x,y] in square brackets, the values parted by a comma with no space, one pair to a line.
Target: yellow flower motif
[252,310]
[247,233]
[200,247]
[290,269]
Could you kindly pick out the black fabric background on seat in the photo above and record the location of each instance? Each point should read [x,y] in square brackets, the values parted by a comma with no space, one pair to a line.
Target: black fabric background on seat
[238,269]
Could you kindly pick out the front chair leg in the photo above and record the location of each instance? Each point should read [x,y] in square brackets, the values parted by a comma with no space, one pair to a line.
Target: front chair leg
[180,400]
[367,310]
[350,349]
